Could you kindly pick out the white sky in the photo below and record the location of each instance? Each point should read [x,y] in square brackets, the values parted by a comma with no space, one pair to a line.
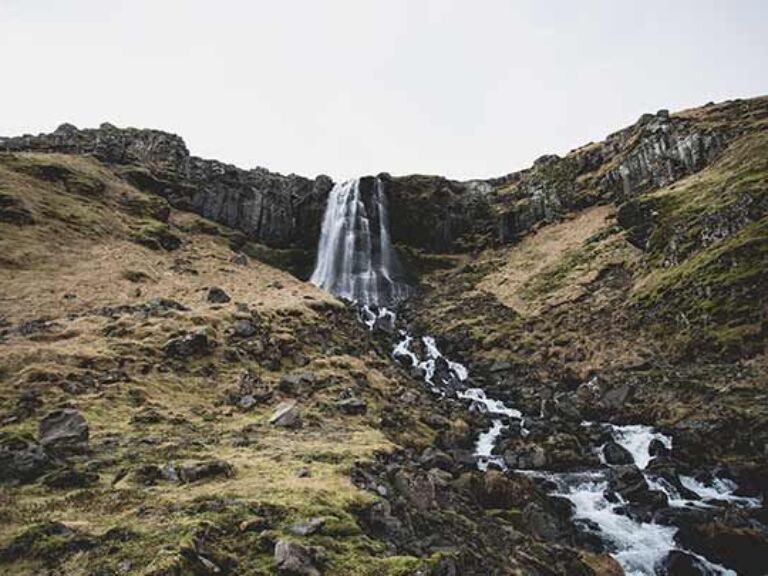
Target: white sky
[347,87]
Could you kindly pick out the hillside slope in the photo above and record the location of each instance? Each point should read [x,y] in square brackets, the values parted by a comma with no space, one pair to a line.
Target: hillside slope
[148,375]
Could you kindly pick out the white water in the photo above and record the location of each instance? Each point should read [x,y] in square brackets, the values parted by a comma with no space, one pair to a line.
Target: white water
[358,263]
[355,257]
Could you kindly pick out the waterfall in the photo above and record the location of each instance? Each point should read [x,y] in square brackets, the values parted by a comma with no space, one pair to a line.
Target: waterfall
[355,257]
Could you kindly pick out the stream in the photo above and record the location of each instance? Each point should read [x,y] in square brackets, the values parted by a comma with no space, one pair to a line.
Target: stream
[356,262]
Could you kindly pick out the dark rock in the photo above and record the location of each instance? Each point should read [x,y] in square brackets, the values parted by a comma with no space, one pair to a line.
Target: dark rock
[217,295]
[146,474]
[191,344]
[657,448]
[744,550]
[244,328]
[540,522]
[200,470]
[286,415]
[297,384]
[527,457]
[352,406]
[63,431]
[21,459]
[679,563]
[614,453]
[49,542]
[70,478]
[14,211]
[147,416]
[292,559]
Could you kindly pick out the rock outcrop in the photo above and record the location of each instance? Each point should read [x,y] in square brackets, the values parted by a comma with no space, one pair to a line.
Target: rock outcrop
[270,208]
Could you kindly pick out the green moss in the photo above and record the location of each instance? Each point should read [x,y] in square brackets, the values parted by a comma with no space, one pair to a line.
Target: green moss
[716,299]
[156,236]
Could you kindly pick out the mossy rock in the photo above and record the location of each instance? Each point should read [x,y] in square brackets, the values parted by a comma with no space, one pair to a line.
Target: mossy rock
[156,236]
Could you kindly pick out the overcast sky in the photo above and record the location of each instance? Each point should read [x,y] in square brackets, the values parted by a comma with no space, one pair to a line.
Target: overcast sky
[347,87]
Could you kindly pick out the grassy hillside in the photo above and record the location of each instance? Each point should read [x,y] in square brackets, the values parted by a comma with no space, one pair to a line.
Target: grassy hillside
[96,278]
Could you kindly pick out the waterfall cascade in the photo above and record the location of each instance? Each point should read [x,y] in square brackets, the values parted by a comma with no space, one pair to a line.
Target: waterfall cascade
[356,261]
[355,257]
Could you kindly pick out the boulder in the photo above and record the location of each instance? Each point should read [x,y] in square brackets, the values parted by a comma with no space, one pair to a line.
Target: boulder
[209,469]
[352,406]
[70,478]
[286,415]
[292,559]
[297,384]
[744,550]
[63,431]
[217,295]
[679,563]
[657,448]
[244,328]
[526,458]
[615,453]
[21,459]
[195,343]
[307,527]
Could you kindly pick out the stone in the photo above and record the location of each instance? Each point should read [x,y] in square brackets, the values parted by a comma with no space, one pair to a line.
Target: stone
[286,415]
[21,459]
[352,406]
[526,457]
[615,453]
[217,295]
[742,549]
[63,431]
[243,328]
[679,563]
[657,448]
[70,478]
[297,384]
[201,470]
[292,559]
[195,343]
[311,526]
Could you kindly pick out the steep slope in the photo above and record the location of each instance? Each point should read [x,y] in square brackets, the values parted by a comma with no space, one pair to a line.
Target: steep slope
[148,376]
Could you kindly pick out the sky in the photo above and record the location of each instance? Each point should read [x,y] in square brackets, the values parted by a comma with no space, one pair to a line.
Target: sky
[465,89]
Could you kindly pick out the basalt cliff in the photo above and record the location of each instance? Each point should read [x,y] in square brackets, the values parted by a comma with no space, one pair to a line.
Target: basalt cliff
[572,379]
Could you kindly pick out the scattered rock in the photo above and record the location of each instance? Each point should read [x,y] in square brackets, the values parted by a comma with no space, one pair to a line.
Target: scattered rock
[210,469]
[307,528]
[63,431]
[292,559]
[679,563]
[352,406]
[297,384]
[191,344]
[70,478]
[244,328]
[147,416]
[657,448]
[217,295]
[615,453]
[526,458]
[286,414]
[744,550]
[21,459]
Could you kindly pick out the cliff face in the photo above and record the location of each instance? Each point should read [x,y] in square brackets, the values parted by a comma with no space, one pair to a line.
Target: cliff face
[430,213]
[441,215]
[277,210]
